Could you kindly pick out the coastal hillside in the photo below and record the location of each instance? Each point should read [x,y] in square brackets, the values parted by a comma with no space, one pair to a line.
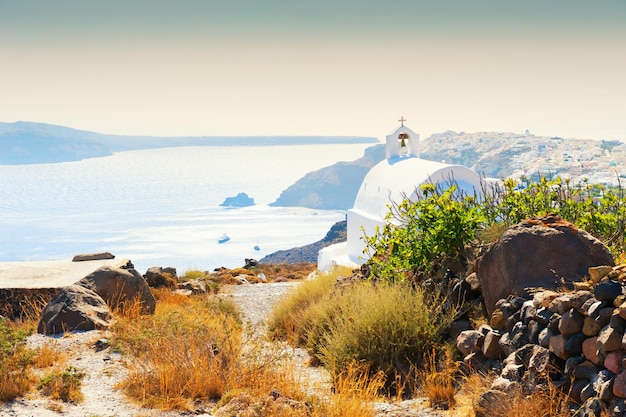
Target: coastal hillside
[39,143]
[334,187]
[36,143]
[491,154]
[510,155]
[308,253]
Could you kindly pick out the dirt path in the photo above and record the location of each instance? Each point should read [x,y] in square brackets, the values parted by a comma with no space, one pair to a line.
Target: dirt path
[256,300]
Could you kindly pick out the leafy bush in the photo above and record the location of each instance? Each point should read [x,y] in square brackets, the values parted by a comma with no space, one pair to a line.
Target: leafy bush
[444,222]
[441,222]
[595,208]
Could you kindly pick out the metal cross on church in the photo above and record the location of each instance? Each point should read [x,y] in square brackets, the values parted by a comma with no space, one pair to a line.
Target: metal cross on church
[402,120]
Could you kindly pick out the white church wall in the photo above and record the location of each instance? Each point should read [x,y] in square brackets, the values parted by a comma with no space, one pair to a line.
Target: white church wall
[359,225]
[334,255]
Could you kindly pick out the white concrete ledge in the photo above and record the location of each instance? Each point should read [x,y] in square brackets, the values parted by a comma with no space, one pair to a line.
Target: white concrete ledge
[50,274]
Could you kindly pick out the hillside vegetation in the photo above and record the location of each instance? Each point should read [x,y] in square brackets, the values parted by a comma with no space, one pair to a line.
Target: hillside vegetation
[373,318]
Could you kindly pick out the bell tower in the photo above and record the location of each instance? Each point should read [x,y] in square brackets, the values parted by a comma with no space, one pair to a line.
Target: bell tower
[403,142]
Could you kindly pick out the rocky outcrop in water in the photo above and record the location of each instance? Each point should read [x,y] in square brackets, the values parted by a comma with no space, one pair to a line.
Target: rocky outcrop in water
[240,200]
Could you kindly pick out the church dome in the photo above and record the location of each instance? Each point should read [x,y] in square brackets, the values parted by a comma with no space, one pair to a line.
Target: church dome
[390,182]
[393,180]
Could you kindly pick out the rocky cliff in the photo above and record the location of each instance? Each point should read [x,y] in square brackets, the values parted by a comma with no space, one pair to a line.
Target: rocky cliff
[308,253]
[334,187]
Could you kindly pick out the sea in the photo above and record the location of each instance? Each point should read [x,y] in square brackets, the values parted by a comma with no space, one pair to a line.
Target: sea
[161,207]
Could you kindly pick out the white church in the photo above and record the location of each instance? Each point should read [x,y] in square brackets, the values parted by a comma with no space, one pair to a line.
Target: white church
[397,177]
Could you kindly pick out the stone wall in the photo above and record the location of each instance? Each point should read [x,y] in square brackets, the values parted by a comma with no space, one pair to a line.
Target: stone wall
[573,340]
[16,302]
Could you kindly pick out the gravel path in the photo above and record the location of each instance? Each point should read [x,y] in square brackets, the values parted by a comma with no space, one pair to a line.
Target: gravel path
[256,300]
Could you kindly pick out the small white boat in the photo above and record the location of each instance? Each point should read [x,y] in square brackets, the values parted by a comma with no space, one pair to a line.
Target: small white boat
[223,239]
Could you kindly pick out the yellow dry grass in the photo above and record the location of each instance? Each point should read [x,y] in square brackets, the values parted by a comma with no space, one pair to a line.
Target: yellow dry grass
[63,384]
[47,356]
[547,402]
[355,390]
[438,381]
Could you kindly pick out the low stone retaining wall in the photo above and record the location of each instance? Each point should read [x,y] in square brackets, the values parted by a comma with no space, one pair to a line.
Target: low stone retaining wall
[17,302]
[573,340]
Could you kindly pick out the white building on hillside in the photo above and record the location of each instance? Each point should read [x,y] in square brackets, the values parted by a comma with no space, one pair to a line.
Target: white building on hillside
[399,176]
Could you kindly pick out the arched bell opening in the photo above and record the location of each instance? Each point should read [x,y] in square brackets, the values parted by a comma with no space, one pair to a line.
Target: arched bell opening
[403,139]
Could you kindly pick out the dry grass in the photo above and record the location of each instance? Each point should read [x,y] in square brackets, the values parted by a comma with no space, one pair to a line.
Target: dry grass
[281,272]
[15,379]
[438,381]
[28,310]
[355,389]
[15,360]
[166,295]
[193,349]
[389,327]
[191,274]
[290,318]
[47,356]
[63,385]
[548,401]
[272,272]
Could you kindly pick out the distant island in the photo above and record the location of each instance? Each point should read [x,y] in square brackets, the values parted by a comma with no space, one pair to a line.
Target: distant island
[240,200]
[40,143]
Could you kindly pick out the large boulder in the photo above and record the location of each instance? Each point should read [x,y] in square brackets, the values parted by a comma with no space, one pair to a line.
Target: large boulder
[119,287]
[93,256]
[546,252]
[158,277]
[74,308]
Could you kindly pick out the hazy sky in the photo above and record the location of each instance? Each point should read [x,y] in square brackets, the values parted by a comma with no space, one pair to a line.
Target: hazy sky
[316,67]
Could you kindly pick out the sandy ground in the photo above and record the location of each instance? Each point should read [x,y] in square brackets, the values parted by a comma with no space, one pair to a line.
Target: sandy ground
[104,369]
[50,274]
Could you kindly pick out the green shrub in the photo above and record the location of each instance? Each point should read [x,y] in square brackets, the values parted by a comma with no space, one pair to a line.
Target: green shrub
[193,274]
[442,222]
[386,328]
[390,328]
[595,208]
